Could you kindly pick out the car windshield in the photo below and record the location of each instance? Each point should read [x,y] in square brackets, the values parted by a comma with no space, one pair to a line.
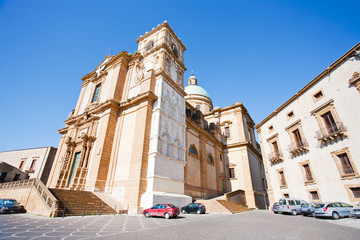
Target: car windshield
[358,204]
[304,205]
[9,202]
[320,205]
[276,204]
[172,206]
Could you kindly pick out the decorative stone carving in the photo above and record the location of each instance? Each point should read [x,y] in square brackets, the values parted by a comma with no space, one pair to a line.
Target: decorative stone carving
[355,80]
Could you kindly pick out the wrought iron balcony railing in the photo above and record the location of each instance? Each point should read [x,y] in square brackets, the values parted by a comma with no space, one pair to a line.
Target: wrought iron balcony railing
[298,146]
[309,178]
[336,130]
[275,157]
[348,169]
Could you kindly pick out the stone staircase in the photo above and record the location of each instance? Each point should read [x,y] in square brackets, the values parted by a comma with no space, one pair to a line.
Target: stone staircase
[74,201]
[222,206]
[233,207]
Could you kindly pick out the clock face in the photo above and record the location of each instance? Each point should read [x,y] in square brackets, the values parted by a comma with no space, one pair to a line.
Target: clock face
[174,49]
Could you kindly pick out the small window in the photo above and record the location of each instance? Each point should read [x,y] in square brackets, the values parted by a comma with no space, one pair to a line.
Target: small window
[174,50]
[3,176]
[271,128]
[198,107]
[231,173]
[356,192]
[290,114]
[96,93]
[286,195]
[318,96]
[282,178]
[210,159]
[17,177]
[149,45]
[21,165]
[307,173]
[292,203]
[314,195]
[32,167]
[345,164]
[193,150]
[227,132]
[220,157]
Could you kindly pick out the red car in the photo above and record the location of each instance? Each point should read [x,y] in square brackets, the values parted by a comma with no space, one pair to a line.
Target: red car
[162,210]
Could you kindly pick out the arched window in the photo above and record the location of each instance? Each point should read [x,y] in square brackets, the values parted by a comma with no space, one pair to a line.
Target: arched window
[193,149]
[198,107]
[149,45]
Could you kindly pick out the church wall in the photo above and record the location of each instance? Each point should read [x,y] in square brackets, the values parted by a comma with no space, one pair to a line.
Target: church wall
[211,167]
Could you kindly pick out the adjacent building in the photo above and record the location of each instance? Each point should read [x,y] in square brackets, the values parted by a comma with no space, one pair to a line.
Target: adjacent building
[310,144]
[27,163]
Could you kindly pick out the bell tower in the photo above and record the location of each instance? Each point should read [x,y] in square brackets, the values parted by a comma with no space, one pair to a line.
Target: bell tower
[163,53]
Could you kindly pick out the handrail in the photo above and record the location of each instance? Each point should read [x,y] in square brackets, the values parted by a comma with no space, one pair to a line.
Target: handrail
[298,145]
[332,130]
[49,199]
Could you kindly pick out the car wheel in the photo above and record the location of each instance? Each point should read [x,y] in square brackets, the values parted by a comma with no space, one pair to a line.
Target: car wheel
[305,214]
[167,215]
[183,211]
[294,212]
[198,211]
[335,215]
[147,214]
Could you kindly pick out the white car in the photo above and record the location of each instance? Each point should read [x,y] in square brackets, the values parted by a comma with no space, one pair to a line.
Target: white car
[355,212]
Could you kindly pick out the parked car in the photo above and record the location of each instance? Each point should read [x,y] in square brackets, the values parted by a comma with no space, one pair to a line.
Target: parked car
[290,205]
[307,209]
[194,208]
[275,208]
[333,209]
[11,206]
[355,212]
[162,210]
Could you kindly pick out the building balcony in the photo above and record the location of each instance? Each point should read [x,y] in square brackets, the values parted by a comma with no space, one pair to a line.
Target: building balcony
[348,170]
[298,147]
[275,157]
[333,132]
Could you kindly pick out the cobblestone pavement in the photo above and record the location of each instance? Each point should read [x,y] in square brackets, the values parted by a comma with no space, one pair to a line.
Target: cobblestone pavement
[251,225]
[26,226]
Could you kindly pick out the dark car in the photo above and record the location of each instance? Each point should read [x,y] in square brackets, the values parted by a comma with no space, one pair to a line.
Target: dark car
[162,210]
[194,208]
[275,208]
[11,206]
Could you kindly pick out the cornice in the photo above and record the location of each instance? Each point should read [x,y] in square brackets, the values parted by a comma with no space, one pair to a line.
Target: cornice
[204,133]
[158,28]
[244,144]
[313,82]
[122,56]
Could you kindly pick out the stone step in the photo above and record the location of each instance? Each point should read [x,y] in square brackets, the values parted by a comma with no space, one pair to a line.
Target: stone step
[74,202]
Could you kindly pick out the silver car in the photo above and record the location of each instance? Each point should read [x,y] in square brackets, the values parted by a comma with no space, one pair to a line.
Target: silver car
[355,212]
[290,205]
[333,209]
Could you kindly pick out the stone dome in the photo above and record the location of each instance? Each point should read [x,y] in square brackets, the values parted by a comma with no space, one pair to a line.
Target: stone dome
[196,90]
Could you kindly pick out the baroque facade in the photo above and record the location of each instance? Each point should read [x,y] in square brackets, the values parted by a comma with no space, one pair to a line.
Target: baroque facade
[138,136]
[310,144]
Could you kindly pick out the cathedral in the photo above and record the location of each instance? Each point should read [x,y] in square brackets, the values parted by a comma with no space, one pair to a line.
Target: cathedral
[140,137]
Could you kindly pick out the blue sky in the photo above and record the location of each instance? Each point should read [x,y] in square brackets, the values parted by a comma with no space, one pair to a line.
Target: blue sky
[257,52]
